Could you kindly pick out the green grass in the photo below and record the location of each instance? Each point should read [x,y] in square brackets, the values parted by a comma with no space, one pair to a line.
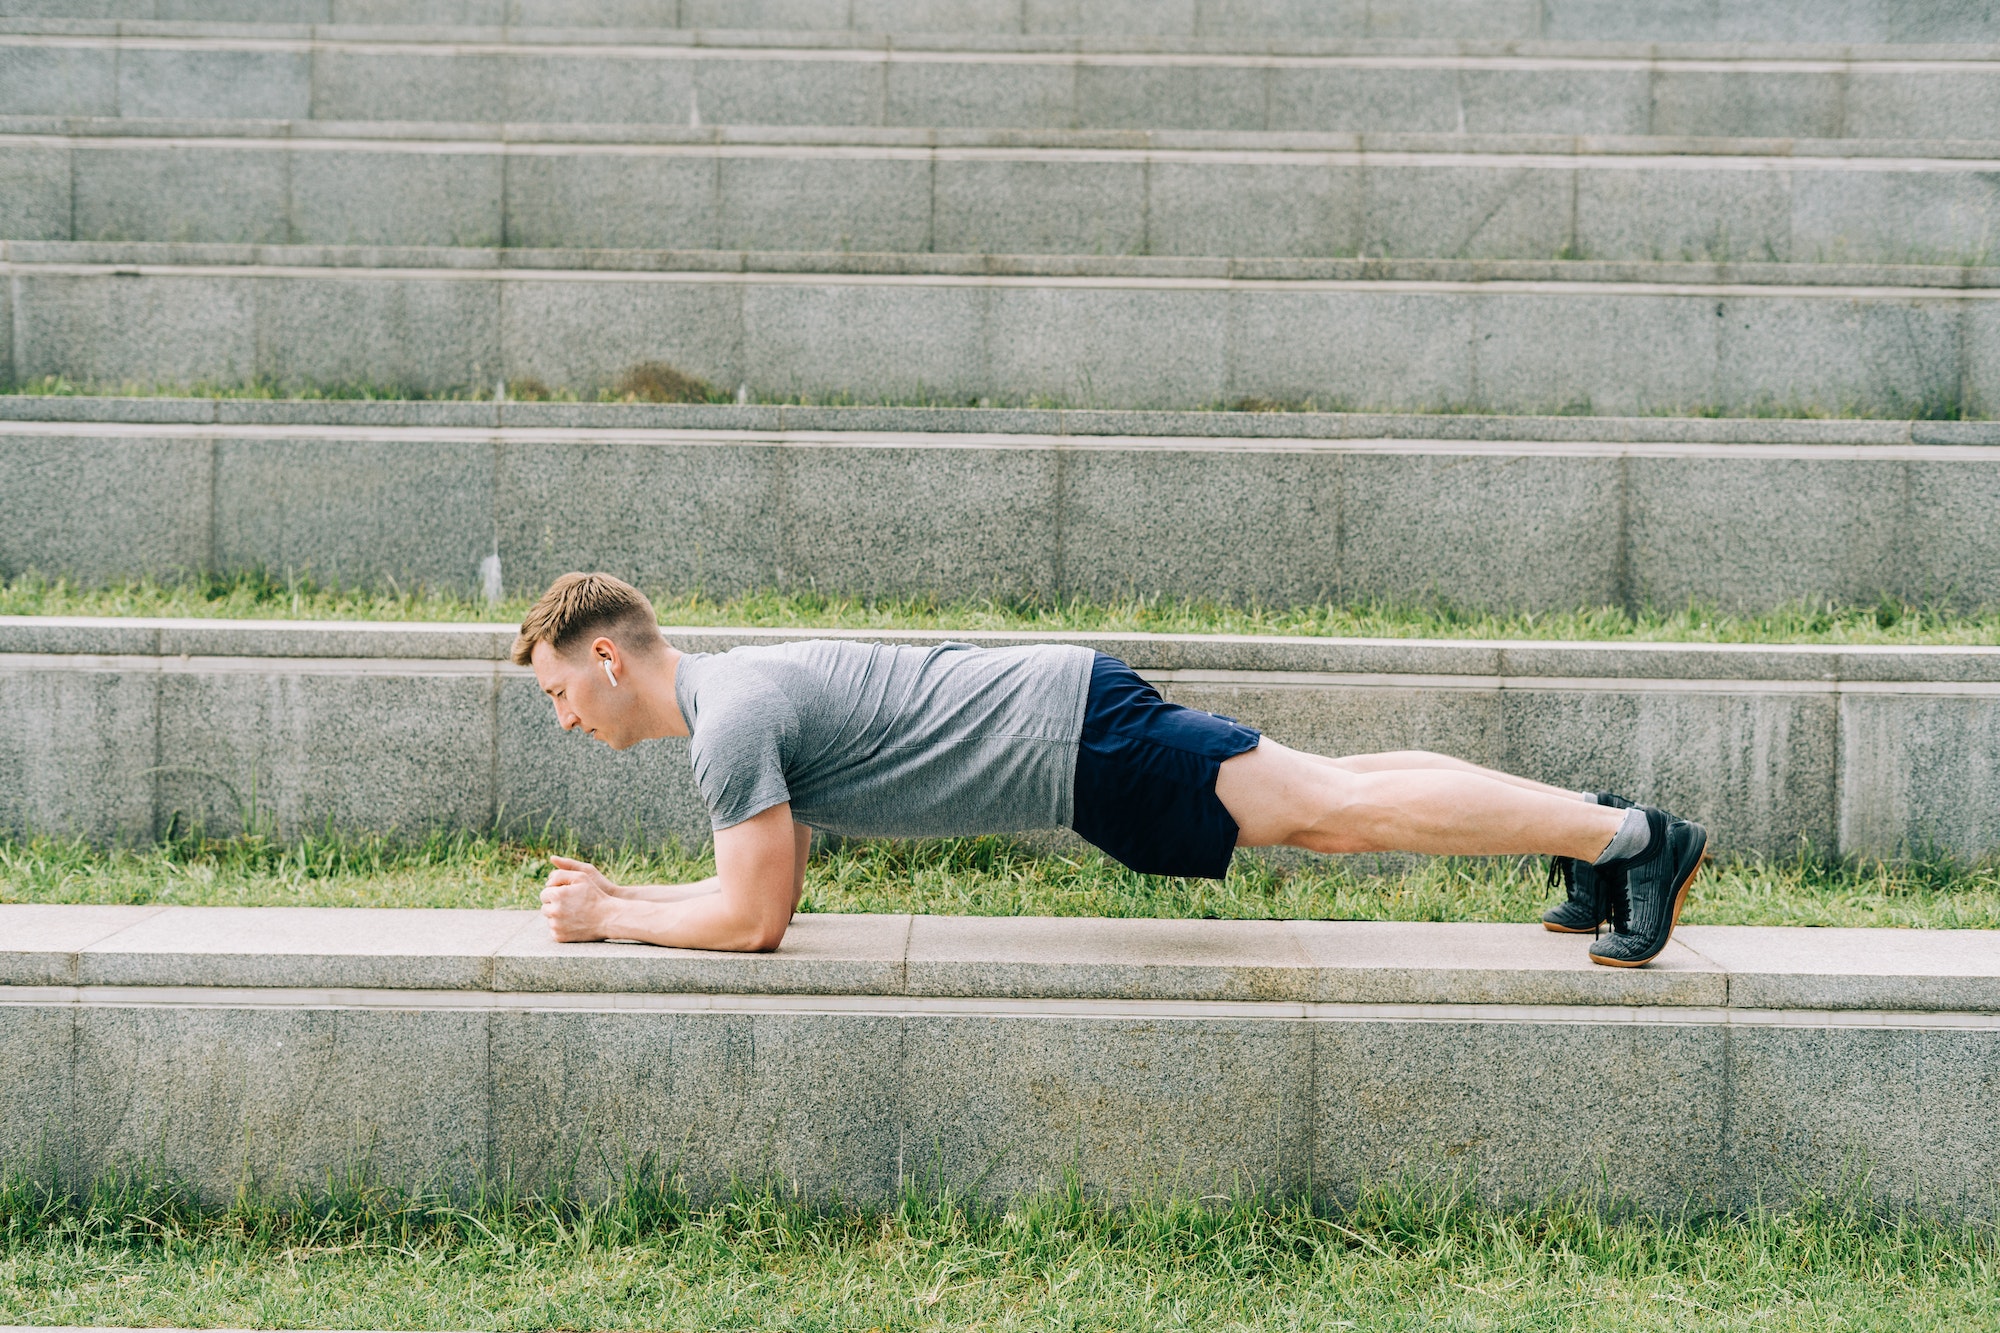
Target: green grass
[260,595]
[1400,1257]
[973,876]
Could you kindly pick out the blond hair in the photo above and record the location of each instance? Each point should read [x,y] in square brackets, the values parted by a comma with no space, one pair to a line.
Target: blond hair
[582,606]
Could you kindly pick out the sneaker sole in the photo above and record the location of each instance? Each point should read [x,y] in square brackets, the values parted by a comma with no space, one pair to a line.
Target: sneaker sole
[1680,899]
[1569,930]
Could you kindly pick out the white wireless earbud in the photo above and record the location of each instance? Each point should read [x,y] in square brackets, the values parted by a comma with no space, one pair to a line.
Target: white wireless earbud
[609,674]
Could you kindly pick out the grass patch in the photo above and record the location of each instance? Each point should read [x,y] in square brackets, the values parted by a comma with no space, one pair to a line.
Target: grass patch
[1400,1257]
[971,877]
[258,595]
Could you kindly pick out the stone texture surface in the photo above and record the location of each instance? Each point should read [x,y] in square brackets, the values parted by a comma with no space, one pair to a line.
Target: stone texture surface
[281,748]
[586,335]
[1480,531]
[374,198]
[1647,1106]
[904,521]
[302,947]
[1277,962]
[1007,1106]
[1203,522]
[39,942]
[347,512]
[1897,748]
[37,1104]
[58,80]
[1133,959]
[1086,424]
[1844,21]
[34,189]
[1145,342]
[418,335]
[1896,1113]
[698,517]
[1778,967]
[78,754]
[280,1100]
[1385,962]
[98,510]
[1479,1038]
[813,1102]
[174,330]
[123,192]
[187,83]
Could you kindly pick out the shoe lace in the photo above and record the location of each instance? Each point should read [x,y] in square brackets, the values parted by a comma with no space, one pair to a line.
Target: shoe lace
[1613,904]
[1606,891]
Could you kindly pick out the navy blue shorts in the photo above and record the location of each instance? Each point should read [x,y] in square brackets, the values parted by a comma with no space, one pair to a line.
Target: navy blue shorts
[1145,777]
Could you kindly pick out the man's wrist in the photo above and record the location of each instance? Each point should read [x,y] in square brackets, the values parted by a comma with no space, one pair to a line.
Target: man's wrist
[605,920]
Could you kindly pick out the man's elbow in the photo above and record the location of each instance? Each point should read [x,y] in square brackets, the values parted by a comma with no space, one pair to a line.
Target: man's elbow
[759,929]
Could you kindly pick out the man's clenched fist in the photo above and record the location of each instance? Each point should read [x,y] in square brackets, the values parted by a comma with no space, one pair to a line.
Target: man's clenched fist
[576,900]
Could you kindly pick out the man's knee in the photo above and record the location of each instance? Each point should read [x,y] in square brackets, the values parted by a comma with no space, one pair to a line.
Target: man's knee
[1279,796]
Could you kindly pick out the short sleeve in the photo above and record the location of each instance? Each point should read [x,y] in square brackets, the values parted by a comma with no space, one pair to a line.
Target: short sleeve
[741,736]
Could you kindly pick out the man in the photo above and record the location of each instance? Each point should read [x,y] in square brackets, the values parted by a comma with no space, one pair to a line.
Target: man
[869,740]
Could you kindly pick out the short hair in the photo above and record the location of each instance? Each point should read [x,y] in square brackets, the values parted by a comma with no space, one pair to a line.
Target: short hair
[578,607]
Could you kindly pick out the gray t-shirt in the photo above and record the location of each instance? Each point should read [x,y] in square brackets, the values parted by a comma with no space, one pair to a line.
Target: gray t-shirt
[871,740]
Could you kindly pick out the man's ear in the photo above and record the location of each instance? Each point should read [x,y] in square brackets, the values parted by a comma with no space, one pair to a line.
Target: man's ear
[604,653]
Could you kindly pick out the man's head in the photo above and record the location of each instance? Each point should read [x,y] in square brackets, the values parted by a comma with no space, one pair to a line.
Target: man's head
[595,647]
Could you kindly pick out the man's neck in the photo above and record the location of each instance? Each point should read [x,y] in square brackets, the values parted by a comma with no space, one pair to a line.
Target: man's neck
[666,700]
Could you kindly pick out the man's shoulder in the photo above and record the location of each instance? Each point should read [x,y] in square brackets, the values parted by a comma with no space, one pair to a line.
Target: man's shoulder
[733,687]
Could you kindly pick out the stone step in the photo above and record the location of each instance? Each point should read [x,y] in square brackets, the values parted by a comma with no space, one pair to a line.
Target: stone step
[471,77]
[1167,333]
[1841,21]
[990,192]
[998,1056]
[1501,513]
[1865,751]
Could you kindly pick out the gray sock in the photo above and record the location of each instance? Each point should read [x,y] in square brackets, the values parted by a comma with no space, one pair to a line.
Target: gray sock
[1589,797]
[1632,838]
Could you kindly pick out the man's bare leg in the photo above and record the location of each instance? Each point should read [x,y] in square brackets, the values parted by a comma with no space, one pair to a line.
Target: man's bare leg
[1397,760]
[1279,796]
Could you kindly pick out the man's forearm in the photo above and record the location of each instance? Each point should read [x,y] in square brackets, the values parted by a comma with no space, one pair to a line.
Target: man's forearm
[667,893]
[706,921]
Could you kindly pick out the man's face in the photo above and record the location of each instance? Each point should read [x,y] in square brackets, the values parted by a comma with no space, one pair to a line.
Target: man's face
[583,695]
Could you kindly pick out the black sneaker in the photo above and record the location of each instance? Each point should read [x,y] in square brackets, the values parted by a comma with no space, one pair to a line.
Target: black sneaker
[1592,896]
[1656,885]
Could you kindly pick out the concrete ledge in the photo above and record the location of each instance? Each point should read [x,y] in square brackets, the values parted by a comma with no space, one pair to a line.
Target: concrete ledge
[509,953]
[606,28]
[1488,512]
[1201,272]
[1218,424]
[998,1054]
[1766,745]
[1810,666]
[1736,21]
[510,135]
[1624,346]
[1002,195]
[1298,962]
[605,77]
